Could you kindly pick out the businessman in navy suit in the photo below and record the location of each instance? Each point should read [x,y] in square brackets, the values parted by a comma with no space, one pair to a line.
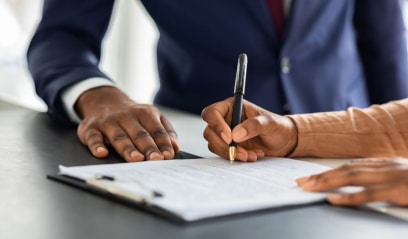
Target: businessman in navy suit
[304,56]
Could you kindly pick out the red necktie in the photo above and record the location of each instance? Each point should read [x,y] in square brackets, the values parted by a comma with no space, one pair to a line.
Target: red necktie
[276,10]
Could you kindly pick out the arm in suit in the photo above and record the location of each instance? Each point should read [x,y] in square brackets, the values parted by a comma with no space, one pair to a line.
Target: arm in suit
[65,50]
[380,32]
[66,47]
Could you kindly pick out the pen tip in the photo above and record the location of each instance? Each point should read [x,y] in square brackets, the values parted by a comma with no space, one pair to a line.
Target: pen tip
[232,153]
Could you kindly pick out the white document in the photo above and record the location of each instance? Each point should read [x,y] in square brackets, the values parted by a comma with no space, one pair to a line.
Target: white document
[201,188]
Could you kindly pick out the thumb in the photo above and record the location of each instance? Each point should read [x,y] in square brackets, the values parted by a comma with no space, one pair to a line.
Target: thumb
[250,128]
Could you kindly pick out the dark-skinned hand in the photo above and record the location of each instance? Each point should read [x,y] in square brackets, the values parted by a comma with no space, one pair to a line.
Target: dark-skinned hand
[136,132]
[382,180]
[261,133]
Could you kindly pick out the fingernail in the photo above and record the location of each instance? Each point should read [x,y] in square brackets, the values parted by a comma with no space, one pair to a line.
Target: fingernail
[240,134]
[166,154]
[136,156]
[101,152]
[260,154]
[225,138]
[309,184]
[302,180]
[156,156]
[241,156]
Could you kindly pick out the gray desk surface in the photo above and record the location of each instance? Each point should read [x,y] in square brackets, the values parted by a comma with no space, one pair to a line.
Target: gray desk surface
[32,206]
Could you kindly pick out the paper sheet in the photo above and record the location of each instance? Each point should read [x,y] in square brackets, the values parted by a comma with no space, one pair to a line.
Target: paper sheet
[201,188]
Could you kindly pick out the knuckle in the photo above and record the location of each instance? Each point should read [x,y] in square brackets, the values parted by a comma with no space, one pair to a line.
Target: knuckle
[204,113]
[367,195]
[141,134]
[348,166]
[143,109]
[218,128]
[352,172]
[256,124]
[93,137]
[172,133]
[85,126]
[159,133]
[206,133]
[120,116]
[118,136]
[128,148]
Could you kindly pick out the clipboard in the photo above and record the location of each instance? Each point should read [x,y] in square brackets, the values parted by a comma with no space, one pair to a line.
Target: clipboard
[77,183]
[141,204]
[196,189]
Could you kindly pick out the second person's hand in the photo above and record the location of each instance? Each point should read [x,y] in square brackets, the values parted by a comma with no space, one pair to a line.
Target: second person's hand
[137,132]
[260,134]
[382,180]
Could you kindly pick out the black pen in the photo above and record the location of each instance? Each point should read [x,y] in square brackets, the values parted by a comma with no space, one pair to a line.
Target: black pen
[239,91]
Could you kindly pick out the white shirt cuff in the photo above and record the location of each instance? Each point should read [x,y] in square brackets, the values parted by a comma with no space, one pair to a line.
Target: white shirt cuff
[71,94]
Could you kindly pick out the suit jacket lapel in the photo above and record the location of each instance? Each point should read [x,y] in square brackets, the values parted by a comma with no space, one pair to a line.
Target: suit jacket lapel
[291,18]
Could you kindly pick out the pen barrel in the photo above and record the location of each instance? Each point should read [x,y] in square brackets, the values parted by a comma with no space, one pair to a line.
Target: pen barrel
[237,110]
[240,77]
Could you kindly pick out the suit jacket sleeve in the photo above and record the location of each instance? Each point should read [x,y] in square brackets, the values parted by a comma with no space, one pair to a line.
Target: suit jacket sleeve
[66,47]
[381,40]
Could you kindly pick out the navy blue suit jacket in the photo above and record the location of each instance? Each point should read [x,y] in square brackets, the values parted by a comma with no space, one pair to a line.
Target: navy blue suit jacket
[334,54]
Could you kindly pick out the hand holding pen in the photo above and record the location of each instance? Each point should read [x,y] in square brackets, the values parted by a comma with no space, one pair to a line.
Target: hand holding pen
[261,132]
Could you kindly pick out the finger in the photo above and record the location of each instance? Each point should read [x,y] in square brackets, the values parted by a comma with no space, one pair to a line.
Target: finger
[355,165]
[260,153]
[395,193]
[217,117]
[369,160]
[399,193]
[147,133]
[249,128]
[162,140]
[172,133]
[252,156]
[94,140]
[122,143]
[300,181]
[376,162]
[354,177]
[144,142]
[382,161]
[215,143]
[175,144]
[241,154]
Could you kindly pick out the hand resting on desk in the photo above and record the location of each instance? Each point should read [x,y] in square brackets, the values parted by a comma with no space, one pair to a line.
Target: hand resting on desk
[383,180]
[137,132]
